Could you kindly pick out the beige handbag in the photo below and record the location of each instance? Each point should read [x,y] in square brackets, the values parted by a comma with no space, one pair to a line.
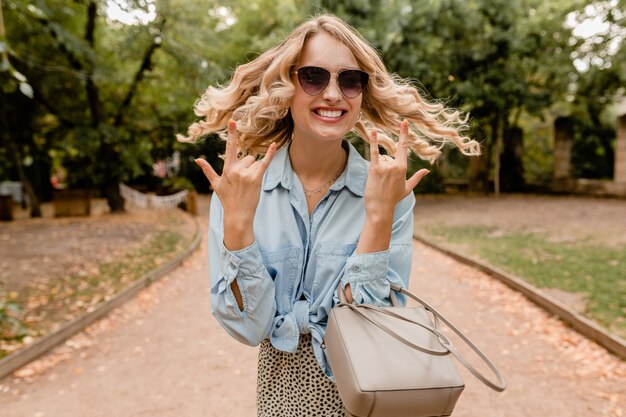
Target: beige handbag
[394,362]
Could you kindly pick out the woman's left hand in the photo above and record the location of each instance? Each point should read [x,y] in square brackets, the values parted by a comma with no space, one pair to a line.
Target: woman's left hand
[386,183]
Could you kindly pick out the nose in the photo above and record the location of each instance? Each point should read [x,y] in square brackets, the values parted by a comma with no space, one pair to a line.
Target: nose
[332,91]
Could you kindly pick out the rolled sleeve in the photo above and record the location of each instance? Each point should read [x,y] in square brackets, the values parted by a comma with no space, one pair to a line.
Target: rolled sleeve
[367,275]
[370,275]
[246,264]
[252,323]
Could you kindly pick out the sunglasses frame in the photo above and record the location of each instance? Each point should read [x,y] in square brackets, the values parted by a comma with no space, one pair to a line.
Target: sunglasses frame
[337,74]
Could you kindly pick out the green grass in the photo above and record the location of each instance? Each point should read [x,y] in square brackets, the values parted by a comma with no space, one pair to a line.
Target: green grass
[36,310]
[595,271]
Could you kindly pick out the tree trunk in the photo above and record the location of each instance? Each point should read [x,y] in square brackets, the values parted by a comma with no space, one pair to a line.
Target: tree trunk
[107,153]
[35,208]
[501,127]
[619,169]
[605,136]
[563,140]
[479,166]
[511,161]
[112,179]
[494,145]
[114,198]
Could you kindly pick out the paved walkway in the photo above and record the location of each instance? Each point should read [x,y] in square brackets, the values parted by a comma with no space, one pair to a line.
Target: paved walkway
[163,354]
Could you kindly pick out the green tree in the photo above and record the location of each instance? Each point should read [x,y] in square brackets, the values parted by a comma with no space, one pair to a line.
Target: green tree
[108,97]
[600,81]
[105,98]
[491,58]
[14,94]
[55,46]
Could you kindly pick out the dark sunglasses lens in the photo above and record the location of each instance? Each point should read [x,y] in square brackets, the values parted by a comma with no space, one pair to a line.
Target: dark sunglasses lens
[352,82]
[313,79]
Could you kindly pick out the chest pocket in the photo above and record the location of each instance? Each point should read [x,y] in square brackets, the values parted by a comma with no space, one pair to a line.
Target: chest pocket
[329,260]
[283,267]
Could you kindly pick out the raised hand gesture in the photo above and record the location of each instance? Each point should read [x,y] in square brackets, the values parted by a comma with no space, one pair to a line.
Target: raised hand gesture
[238,188]
[386,182]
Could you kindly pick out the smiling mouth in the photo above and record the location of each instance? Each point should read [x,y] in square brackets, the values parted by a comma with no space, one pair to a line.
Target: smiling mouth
[333,114]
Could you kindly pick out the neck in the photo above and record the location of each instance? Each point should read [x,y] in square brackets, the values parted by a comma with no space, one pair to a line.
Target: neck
[314,162]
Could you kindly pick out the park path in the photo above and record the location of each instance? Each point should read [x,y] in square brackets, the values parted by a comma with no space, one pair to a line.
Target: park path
[162,354]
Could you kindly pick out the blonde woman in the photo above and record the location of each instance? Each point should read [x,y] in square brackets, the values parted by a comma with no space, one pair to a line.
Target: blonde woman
[287,228]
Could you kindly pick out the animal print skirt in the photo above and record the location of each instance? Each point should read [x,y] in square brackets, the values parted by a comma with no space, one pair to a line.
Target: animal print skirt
[294,385]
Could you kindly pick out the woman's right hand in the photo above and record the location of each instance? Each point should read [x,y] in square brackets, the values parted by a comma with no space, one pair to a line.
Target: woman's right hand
[238,188]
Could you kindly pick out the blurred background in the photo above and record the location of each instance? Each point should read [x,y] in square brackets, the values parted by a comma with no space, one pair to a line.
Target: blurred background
[93,92]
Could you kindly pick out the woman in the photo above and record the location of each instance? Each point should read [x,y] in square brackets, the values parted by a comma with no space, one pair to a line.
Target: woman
[286,229]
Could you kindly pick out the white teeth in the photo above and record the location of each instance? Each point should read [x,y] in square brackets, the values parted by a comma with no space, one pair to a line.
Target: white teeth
[329,113]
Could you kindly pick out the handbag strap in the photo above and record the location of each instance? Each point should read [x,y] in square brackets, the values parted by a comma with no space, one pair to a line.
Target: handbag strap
[499,386]
[357,309]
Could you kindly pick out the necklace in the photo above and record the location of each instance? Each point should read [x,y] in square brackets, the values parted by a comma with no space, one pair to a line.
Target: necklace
[319,189]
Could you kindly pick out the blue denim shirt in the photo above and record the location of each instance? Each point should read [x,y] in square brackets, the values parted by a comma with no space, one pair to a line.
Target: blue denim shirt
[288,277]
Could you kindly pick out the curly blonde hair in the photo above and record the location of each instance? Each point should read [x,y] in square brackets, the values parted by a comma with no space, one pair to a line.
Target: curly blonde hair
[259,95]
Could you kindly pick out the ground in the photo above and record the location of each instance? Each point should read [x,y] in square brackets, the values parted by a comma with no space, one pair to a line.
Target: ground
[600,221]
[41,249]
[162,354]
[562,218]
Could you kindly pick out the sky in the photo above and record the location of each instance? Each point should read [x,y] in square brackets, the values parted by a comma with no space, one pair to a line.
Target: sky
[134,17]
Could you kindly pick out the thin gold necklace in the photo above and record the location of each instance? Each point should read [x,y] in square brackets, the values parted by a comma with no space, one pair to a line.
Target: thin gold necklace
[319,189]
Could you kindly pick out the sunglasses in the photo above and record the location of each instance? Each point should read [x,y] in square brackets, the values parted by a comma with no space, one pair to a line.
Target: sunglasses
[314,80]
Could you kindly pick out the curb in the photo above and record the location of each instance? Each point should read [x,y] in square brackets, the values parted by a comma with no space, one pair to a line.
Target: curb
[21,357]
[581,324]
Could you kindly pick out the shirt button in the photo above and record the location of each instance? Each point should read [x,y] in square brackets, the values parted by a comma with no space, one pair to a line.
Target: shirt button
[355,269]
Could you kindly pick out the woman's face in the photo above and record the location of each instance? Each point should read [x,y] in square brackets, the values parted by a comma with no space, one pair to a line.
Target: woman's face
[329,115]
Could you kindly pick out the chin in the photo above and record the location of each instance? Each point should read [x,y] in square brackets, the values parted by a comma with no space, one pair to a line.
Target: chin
[332,132]
[333,135]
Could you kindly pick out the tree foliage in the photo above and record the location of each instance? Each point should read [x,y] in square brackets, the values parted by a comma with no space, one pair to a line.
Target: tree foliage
[603,79]
[104,98]
[110,96]
[492,58]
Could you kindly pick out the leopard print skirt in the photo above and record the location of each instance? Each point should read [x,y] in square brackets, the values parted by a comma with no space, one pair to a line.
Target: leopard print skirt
[294,385]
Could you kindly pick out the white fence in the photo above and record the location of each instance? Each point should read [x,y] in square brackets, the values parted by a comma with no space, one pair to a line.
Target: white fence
[15,190]
[150,200]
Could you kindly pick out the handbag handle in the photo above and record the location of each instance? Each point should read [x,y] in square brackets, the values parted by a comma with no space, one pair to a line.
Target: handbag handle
[499,386]
[356,309]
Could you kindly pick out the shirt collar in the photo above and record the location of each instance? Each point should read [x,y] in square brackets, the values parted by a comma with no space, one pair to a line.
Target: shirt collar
[353,177]
[279,171]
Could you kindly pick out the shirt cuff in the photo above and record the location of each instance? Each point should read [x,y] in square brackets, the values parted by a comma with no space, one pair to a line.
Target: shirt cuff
[246,261]
[366,268]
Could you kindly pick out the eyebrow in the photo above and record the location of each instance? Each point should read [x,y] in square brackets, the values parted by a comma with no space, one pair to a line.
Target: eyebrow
[330,68]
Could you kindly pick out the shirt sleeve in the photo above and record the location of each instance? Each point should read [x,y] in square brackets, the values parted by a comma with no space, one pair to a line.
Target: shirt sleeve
[370,274]
[252,324]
